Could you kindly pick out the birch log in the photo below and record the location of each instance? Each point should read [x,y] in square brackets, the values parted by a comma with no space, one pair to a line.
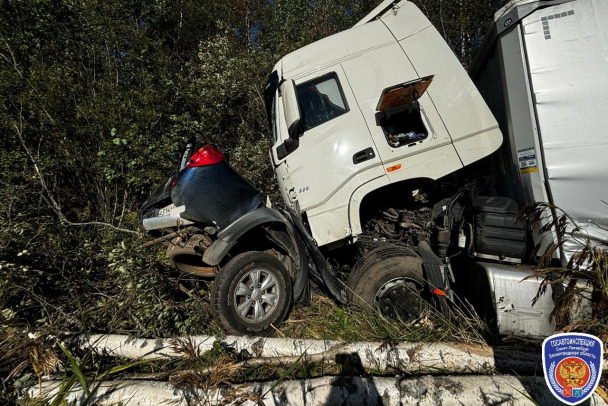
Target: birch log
[422,391]
[379,357]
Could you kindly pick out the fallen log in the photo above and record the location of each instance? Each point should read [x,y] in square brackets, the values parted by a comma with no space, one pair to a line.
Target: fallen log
[422,391]
[402,358]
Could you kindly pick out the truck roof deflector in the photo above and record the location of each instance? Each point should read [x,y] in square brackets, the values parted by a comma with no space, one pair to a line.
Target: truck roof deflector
[403,93]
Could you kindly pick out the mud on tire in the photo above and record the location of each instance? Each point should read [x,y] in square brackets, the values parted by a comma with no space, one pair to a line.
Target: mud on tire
[251,292]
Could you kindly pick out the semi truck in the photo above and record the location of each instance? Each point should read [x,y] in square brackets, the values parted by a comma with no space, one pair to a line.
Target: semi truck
[400,178]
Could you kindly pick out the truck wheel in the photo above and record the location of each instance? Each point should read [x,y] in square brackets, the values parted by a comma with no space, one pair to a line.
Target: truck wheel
[251,292]
[390,279]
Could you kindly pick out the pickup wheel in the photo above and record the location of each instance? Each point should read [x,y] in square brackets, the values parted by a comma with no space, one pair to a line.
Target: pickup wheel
[251,292]
[390,279]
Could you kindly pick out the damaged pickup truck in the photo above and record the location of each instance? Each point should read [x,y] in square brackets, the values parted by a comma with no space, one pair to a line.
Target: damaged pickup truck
[385,155]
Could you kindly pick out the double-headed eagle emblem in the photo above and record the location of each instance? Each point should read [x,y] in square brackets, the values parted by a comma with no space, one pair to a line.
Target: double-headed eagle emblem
[572,372]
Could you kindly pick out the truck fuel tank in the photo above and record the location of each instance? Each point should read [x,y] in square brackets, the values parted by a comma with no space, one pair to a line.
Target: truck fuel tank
[501,292]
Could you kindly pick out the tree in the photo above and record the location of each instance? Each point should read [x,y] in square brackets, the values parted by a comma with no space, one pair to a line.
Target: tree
[462,23]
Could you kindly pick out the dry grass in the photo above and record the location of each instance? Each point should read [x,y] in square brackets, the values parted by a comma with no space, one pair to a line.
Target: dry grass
[588,265]
[209,371]
[23,349]
[323,319]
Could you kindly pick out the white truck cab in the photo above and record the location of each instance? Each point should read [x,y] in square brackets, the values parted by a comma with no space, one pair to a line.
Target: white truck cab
[380,103]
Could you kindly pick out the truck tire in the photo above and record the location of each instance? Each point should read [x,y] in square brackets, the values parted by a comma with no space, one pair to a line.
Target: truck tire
[251,293]
[391,280]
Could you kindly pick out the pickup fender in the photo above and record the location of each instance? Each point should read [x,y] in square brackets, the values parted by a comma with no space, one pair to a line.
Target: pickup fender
[228,237]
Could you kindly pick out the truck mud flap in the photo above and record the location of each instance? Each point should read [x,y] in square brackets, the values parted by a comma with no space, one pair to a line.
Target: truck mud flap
[435,272]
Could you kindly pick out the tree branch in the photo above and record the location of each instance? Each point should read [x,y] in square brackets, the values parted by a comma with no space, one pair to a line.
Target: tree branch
[335,355]
[48,197]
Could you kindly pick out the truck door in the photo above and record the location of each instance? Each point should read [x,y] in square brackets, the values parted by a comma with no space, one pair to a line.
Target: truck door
[411,137]
[335,146]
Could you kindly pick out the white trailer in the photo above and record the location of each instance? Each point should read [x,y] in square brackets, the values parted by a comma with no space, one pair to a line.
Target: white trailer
[543,71]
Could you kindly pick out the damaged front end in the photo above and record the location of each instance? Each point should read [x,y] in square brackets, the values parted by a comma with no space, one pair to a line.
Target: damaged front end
[216,224]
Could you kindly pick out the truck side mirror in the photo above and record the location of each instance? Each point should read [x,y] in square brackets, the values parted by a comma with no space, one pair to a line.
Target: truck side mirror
[293,119]
[291,108]
[287,147]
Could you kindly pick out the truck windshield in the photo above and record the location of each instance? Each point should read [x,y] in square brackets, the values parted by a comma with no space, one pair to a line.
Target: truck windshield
[321,100]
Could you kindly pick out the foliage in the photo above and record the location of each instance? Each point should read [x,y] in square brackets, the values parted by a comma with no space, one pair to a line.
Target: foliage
[322,319]
[585,276]
[463,23]
[89,387]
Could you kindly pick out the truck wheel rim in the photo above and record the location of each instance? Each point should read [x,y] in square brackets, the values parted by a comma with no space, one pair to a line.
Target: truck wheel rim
[399,297]
[256,295]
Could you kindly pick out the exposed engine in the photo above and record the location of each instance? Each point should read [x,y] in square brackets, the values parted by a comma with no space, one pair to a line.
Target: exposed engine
[481,226]
[407,226]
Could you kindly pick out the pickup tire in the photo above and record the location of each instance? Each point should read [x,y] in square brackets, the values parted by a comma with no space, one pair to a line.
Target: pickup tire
[391,280]
[186,255]
[251,294]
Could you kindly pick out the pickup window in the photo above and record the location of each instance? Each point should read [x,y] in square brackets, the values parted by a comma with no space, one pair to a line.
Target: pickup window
[320,100]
